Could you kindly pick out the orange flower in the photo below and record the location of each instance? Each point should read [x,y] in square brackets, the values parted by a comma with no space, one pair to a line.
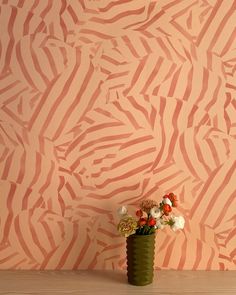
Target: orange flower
[142,221]
[175,204]
[139,213]
[151,222]
[172,197]
[166,209]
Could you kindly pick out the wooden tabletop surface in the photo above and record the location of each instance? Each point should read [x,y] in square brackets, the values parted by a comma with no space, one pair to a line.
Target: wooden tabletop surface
[115,282]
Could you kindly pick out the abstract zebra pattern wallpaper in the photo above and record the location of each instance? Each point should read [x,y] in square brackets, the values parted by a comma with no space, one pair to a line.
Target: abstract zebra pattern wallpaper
[105,103]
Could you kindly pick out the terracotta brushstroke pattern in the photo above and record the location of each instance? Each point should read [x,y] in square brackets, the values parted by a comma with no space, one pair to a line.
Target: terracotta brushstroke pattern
[104,103]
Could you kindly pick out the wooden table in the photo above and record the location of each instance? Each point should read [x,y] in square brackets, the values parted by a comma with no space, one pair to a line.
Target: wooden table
[115,282]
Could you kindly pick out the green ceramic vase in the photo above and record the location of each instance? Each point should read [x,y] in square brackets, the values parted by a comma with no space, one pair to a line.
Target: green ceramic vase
[140,259]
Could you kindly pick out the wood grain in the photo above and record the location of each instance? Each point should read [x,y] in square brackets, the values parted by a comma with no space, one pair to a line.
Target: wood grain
[114,282]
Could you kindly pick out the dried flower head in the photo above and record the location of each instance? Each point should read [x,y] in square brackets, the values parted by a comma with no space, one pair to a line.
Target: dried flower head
[147,205]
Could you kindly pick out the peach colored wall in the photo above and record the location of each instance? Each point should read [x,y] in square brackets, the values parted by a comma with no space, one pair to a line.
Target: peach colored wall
[104,103]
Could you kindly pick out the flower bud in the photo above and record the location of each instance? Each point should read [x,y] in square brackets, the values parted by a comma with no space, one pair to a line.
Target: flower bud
[122,211]
[167,201]
[139,213]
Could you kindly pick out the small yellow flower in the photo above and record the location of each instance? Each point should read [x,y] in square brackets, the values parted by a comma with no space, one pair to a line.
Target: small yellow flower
[127,226]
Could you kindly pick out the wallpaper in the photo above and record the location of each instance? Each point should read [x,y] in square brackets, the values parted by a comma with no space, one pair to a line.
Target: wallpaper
[105,103]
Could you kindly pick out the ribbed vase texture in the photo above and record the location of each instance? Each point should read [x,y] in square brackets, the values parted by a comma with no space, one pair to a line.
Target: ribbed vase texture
[140,259]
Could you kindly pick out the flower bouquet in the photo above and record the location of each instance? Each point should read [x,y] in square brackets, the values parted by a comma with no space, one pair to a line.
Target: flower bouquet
[140,231]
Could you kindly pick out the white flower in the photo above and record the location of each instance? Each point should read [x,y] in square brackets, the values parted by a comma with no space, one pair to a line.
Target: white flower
[178,223]
[167,201]
[159,224]
[155,212]
[122,211]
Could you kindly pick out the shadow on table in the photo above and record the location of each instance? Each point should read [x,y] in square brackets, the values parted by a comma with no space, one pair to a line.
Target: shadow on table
[110,276]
